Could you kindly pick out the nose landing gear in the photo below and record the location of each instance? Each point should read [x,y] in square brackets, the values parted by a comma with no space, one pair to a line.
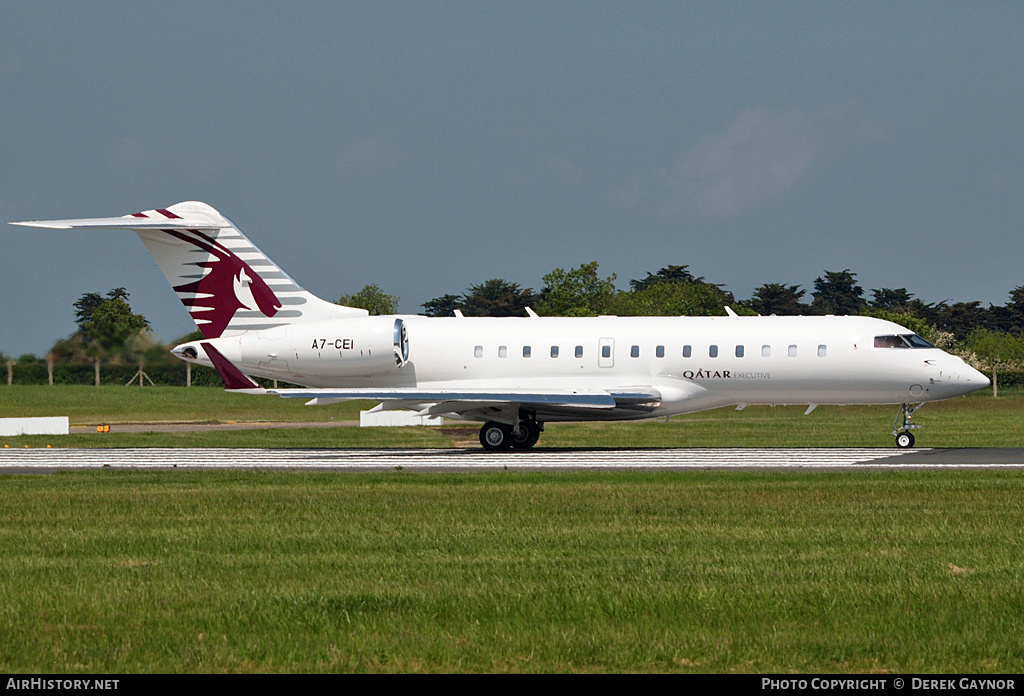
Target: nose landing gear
[905,438]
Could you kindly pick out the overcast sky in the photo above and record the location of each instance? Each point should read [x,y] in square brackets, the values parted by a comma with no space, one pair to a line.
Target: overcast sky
[429,146]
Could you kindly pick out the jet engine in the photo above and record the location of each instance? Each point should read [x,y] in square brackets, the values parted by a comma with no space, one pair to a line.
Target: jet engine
[314,353]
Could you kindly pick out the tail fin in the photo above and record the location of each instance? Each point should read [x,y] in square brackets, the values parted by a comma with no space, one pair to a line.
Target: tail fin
[227,284]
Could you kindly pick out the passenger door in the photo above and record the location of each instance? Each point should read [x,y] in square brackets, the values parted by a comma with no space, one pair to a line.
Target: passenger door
[606,352]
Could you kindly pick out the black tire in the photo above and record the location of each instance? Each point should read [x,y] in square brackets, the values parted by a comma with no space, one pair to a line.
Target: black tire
[529,433]
[496,436]
[905,440]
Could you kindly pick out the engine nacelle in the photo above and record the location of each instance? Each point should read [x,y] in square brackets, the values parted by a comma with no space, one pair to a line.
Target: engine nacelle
[354,347]
[316,352]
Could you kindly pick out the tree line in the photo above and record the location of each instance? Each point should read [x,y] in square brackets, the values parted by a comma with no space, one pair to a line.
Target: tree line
[990,338]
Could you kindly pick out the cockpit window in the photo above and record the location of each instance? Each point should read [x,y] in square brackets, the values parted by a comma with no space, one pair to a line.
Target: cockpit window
[902,341]
[889,342]
[916,341]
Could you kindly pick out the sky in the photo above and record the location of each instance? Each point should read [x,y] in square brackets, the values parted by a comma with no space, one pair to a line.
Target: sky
[430,146]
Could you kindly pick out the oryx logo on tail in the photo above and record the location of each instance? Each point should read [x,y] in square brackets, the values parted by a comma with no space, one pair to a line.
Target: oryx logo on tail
[227,285]
[230,285]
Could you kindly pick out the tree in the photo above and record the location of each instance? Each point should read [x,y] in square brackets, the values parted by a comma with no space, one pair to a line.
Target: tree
[496,298]
[996,352]
[372,299]
[578,292]
[443,306]
[1015,308]
[892,300]
[777,298]
[837,293]
[492,298]
[108,320]
[693,299]
[900,301]
[1010,318]
[669,274]
[107,324]
[112,324]
[85,305]
[963,318]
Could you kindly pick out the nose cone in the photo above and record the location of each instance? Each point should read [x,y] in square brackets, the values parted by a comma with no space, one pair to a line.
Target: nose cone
[960,378]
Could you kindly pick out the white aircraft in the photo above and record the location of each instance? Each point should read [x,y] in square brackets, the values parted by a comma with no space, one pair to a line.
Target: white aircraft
[517,373]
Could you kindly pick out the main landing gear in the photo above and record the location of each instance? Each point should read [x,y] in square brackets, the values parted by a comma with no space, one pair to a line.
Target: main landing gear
[905,438]
[501,436]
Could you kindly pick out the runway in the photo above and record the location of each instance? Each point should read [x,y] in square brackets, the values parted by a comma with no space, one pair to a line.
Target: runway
[40,460]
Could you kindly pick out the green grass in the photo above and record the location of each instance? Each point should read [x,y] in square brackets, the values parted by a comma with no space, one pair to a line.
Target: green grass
[91,405]
[588,572]
[974,421]
[129,571]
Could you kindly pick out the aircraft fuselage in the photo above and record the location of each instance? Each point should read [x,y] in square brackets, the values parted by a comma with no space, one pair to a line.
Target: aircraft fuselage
[694,363]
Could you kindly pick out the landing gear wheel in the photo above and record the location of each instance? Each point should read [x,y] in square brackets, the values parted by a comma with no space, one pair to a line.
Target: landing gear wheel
[905,440]
[527,436]
[496,436]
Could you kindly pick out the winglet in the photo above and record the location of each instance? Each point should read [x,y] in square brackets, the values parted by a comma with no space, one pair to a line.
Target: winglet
[234,380]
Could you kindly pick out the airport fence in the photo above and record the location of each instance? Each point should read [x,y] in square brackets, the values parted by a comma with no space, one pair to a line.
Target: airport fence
[38,372]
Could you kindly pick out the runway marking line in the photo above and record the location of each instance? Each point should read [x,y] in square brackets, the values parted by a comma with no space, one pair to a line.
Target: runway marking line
[680,459]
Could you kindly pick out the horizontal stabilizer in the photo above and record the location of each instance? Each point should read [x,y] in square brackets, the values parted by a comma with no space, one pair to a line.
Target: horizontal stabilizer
[128,222]
[225,282]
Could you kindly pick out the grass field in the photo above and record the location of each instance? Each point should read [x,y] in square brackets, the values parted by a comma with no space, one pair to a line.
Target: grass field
[122,571]
[589,572]
[89,405]
[974,421]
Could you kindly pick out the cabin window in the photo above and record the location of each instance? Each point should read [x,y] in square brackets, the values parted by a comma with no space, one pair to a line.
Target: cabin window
[634,352]
[659,351]
[554,351]
[713,351]
[527,351]
[502,351]
[822,351]
[478,352]
[579,352]
[687,351]
[739,351]
[606,351]
[766,351]
[792,351]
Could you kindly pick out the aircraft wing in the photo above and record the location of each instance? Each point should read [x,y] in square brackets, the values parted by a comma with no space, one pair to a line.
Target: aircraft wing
[470,397]
[448,400]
